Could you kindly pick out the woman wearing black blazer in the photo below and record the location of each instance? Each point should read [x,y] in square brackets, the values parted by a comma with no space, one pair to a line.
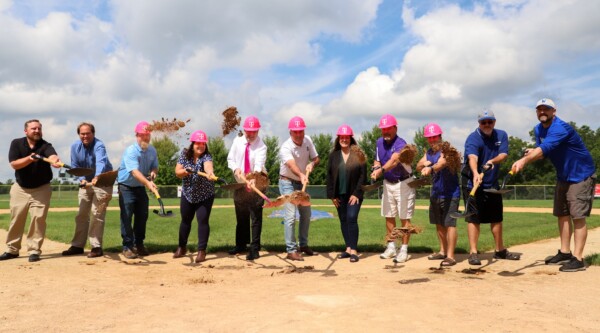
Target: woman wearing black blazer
[346,172]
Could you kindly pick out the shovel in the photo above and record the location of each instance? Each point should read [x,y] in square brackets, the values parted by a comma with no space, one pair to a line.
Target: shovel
[78,172]
[458,215]
[161,212]
[419,182]
[104,179]
[262,195]
[373,186]
[211,178]
[502,189]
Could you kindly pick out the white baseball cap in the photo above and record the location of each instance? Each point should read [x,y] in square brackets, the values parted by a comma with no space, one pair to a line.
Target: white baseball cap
[546,102]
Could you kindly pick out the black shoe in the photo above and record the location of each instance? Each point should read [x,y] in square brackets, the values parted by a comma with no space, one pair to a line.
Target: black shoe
[141,250]
[344,255]
[73,250]
[253,254]
[504,254]
[573,265]
[559,258]
[8,255]
[474,259]
[34,257]
[236,250]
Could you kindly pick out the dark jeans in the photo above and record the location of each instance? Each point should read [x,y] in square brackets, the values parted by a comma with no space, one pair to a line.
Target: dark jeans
[133,202]
[349,221]
[248,214]
[202,211]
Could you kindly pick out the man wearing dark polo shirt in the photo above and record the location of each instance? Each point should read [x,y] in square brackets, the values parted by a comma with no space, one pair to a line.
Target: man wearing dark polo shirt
[398,198]
[31,192]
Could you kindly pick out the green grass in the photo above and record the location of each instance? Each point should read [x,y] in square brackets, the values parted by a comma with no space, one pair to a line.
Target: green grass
[593,259]
[324,235]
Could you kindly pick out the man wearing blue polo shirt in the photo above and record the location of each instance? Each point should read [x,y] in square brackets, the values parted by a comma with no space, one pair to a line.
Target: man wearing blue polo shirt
[575,181]
[139,162]
[486,148]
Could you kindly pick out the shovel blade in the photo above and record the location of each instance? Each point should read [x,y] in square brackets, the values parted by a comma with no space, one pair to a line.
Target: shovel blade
[371,187]
[419,182]
[80,172]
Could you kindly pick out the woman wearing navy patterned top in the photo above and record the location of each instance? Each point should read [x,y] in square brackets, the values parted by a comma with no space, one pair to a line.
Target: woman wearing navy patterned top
[197,195]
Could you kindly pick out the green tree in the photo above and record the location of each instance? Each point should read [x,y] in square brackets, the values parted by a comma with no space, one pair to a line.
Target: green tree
[216,147]
[368,143]
[323,145]
[272,163]
[167,152]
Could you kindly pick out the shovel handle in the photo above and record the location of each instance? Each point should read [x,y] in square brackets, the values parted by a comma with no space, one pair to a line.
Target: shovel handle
[257,191]
[203,174]
[45,159]
[155,191]
[304,186]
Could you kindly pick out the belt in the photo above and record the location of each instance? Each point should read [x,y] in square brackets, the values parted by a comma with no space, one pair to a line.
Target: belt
[401,179]
[289,179]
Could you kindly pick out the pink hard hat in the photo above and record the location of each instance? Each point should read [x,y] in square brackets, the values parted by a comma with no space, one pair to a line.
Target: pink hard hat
[251,124]
[296,124]
[387,121]
[142,128]
[198,136]
[432,129]
[345,130]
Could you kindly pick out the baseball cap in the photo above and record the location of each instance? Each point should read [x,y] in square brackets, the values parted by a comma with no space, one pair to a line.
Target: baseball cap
[486,114]
[546,102]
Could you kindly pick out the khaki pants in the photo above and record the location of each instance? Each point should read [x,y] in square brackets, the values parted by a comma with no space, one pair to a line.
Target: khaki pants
[93,202]
[36,201]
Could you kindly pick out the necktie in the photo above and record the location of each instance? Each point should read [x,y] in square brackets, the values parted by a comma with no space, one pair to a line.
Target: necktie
[247,159]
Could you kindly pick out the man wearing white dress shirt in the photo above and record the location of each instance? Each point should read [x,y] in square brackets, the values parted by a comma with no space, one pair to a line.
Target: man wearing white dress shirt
[248,154]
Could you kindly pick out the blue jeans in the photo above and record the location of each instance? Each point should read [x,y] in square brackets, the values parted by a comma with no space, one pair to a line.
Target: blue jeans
[289,215]
[133,202]
[349,221]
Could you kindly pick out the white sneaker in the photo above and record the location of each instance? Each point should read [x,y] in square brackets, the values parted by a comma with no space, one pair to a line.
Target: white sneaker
[389,253]
[402,257]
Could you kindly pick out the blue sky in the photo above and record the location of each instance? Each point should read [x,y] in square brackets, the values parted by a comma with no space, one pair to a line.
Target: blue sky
[115,63]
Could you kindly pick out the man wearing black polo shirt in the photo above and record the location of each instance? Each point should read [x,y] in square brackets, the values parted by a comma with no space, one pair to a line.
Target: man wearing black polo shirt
[31,192]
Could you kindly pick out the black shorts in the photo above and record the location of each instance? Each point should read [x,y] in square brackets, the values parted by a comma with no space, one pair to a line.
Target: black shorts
[440,209]
[487,206]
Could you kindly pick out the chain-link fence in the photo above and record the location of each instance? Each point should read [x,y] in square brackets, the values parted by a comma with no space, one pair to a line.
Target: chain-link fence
[518,192]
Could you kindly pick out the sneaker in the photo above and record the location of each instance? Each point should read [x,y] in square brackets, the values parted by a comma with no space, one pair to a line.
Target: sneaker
[573,265]
[401,257]
[127,253]
[504,254]
[474,259]
[389,253]
[559,258]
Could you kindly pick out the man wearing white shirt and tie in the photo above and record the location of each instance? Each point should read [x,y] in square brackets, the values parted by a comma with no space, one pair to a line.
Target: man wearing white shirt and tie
[247,154]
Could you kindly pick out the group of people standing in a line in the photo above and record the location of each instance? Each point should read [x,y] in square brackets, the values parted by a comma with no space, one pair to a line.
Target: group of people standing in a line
[485,149]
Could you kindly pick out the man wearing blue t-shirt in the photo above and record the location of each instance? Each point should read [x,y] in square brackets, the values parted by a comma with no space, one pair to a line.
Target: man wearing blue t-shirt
[575,181]
[486,148]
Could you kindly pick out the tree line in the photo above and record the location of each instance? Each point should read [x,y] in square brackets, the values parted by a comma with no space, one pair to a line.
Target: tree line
[539,173]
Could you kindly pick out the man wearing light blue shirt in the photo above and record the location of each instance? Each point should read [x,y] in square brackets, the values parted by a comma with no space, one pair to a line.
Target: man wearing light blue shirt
[89,152]
[139,162]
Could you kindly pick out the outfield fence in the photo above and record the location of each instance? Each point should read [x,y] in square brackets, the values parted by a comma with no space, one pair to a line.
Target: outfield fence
[518,192]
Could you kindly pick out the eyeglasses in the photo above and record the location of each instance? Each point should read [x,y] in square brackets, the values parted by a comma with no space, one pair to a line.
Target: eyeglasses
[486,122]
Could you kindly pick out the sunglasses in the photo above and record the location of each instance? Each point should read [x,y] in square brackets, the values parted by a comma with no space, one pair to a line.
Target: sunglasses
[486,122]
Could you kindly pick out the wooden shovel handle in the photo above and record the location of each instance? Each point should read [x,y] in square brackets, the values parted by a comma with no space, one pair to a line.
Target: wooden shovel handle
[45,159]
[204,174]
[155,191]
[304,185]
[257,191]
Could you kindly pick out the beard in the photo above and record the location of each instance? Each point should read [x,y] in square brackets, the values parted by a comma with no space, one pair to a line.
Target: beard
[34,137]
